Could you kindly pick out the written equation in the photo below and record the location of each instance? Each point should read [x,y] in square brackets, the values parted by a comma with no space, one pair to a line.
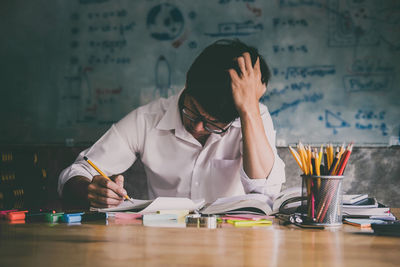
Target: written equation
[363,120]
[99,37]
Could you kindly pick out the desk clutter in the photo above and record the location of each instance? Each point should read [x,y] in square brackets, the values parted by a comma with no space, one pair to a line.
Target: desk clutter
[359,210]
[322,178]
[165,218]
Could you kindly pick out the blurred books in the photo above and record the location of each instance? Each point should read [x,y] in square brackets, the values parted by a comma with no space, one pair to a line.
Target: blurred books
[351,199]
[365,207]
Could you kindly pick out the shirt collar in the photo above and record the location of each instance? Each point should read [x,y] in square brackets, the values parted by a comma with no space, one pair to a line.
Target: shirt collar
[172,118]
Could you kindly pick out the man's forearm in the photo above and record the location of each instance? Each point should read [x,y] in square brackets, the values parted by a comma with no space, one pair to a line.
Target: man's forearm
[258,156]
[75,191]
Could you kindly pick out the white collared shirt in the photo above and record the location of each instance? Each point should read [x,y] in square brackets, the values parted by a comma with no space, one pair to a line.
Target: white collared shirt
[175,163]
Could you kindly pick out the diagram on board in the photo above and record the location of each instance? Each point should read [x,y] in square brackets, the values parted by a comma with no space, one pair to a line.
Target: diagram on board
[334,121]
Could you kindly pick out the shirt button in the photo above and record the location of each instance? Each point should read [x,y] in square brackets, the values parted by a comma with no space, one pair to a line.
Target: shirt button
[196,183]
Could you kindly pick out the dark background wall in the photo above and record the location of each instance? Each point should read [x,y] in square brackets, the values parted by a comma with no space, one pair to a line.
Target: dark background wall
[69,69]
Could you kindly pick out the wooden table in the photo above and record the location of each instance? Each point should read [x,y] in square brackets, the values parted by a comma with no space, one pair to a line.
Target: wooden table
[130,244]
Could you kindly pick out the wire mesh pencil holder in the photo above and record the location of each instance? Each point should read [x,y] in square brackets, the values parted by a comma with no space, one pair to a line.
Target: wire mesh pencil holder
[322,197]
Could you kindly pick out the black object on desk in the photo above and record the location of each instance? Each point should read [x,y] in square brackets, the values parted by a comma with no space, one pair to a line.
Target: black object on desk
[388,229]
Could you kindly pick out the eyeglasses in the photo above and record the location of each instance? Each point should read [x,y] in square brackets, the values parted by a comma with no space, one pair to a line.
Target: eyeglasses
[209,126]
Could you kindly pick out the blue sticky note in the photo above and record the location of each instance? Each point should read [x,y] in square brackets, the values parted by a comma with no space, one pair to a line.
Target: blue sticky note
[72,217]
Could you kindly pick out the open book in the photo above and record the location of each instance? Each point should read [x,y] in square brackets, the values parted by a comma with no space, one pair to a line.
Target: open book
[254,203]
[160,203]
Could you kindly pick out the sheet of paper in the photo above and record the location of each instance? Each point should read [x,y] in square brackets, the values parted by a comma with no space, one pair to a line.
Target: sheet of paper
[176,203]
[260,197]
[126,205]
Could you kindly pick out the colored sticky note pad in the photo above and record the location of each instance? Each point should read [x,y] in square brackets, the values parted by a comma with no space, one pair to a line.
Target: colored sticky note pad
[179,213]
[252,217]
[94,216]
[38,216]
[3,213]
[244,223]
[127,215]
[54,217]
[17,222]
[72,217]
[16,215]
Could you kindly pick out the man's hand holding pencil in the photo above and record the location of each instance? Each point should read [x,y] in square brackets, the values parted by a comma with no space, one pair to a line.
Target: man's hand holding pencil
[104,193]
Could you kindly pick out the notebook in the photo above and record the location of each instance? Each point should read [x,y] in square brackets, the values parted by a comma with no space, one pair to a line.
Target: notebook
[388,229]
[352,199]
[253,203]
[158,204]
[383,211]
[363,223]
[369,202]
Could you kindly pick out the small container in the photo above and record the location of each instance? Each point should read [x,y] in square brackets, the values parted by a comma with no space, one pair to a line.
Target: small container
[322,197]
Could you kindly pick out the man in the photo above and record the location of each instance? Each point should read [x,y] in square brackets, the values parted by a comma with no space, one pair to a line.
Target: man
[211,140]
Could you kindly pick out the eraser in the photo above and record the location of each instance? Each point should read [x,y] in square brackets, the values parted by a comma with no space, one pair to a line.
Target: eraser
[94,216]
[179,213]
[54,217]
[16,215]
[72,217]
[37,216]
[3,213]
[127,215]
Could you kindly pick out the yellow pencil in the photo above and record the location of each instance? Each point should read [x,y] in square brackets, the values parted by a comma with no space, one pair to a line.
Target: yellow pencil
[309,160]
[320,155]
[104,175]
[296,157]
[317,162]
[330,155]
[303,158]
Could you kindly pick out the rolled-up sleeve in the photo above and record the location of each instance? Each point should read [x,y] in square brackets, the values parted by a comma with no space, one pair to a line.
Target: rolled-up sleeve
[270,186]
[111,153]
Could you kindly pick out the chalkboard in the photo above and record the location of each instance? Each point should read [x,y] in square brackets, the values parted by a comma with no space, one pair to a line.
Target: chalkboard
[69,69]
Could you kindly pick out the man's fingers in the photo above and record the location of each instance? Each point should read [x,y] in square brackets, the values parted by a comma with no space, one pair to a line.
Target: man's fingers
[233,74]
[96,190]
[97,204]
[257,69]
[247,62]
[104,182]
[104,201]
[100,180]
[242,65]
[105,192]
[119,180]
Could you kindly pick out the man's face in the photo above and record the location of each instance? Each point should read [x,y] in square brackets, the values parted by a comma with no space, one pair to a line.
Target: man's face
[199,119]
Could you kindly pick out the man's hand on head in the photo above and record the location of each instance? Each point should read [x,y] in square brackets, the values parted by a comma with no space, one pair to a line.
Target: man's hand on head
[103,193]
[247,88]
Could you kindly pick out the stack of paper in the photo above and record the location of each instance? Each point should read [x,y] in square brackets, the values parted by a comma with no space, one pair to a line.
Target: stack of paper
[367,207]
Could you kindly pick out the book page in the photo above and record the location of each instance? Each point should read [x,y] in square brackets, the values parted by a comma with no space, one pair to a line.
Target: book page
[259,197]
[285,195]
[160,203]
[366,211]
[243,206]
[126,205]
[173,203]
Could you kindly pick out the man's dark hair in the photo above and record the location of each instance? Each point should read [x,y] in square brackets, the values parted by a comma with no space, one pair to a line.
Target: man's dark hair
[208,79]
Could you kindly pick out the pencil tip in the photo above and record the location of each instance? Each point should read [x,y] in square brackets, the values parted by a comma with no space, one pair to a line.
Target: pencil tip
[85,158]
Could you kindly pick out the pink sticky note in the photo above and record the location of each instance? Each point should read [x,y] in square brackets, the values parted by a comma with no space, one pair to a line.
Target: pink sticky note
[127,216]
